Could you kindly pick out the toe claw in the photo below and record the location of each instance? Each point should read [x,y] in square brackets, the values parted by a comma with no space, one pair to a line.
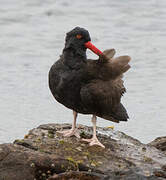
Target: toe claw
[71,132]
[94,141]
[86,140]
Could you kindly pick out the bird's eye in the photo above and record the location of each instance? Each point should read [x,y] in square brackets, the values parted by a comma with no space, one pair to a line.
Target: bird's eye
[78,36]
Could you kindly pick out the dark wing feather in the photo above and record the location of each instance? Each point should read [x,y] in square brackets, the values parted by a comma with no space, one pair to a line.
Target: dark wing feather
[103,93]
[103,98]
[107,67]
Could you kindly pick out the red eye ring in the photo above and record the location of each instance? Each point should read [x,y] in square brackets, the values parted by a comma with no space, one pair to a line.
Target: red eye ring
[78,36]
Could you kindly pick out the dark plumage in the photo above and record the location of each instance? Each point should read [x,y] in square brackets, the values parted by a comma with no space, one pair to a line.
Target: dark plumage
[89,86]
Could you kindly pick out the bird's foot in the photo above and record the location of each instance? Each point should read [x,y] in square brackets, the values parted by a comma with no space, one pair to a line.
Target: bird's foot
[71,132]
[94,141]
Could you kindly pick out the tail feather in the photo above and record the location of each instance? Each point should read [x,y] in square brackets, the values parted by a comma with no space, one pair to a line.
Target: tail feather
[109,53]
[107,67]
[120,64]
[121,113]
[115,66]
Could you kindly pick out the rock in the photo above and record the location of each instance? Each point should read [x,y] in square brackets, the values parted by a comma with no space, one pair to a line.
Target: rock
[83,175]
[159,143]
[44,154]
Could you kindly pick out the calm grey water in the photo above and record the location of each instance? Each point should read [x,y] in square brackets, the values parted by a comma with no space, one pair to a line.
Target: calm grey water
[32,37]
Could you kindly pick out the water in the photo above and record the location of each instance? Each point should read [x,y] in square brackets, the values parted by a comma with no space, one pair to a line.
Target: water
[32,37]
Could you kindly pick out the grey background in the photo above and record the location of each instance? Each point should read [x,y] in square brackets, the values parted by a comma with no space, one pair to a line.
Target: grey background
[32,37]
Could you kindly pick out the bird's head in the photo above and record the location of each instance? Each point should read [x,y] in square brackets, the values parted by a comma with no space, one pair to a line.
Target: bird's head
[79,40]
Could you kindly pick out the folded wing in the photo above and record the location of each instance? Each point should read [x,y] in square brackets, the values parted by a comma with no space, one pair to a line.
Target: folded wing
[103,93]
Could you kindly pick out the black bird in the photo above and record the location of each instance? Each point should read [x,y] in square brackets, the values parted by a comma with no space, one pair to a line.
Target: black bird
[89,86]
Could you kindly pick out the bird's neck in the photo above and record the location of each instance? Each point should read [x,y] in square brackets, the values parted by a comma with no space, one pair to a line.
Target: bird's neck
[74,58]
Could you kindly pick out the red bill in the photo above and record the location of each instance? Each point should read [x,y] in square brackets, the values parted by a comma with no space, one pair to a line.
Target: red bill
[90,46]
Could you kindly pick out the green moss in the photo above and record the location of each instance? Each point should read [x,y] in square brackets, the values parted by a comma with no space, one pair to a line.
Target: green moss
[51,132]
[94,163]
[83,134]
[50,135]
[41,150]
[38,140]
[61,141]
[19,141]
[32,164]
[147,159]
[71,160]
[86,154]
[68,149]
[80,161]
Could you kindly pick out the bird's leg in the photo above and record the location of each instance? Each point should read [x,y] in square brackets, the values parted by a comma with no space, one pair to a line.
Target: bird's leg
[94,140]
[73,131]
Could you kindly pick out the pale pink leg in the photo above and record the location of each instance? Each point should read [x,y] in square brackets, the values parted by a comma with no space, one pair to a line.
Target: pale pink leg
[94,140]
[73,131]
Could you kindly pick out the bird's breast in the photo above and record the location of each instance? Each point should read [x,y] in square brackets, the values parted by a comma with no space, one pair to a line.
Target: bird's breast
[65,85]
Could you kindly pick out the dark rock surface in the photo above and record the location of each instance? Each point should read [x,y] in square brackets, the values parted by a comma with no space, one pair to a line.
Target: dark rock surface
[159,143]
[44,154]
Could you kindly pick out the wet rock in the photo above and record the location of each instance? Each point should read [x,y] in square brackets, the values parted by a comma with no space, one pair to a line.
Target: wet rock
[159,143]
[44,154]
[81,175]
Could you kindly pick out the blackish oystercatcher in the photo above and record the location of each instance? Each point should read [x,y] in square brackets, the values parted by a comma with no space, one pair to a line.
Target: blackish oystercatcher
[89,86]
